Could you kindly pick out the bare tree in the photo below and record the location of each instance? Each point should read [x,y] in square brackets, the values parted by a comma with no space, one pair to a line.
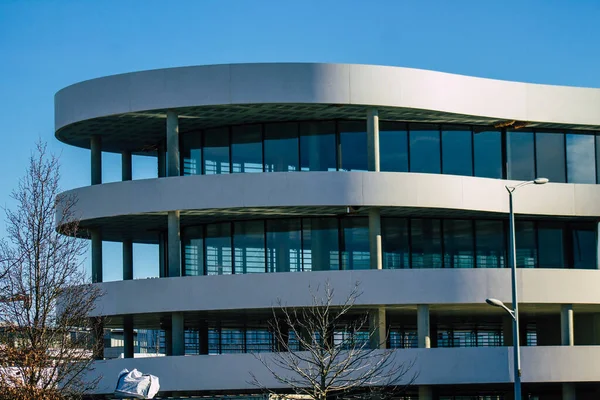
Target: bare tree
[331,350]
[45,334]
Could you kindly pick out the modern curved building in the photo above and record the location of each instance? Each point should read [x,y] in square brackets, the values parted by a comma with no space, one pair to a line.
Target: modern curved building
[274,177]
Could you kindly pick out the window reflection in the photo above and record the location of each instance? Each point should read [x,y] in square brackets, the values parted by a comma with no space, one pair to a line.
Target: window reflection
[281,147]
[426,243]
[458,244]
[490,244]
[216,151]
[317,146]
[320,241]
[550,244]
[581,166]
[550,156]
[284,245]
[218,249]
[249,247]
[246,148]
[525,244]
[191,153]
[394,232]
[424,148]
[193,247]
[584,246]
[456,151]
[356,253]
[393,147]
[353,141]
[487,153]
[519,153]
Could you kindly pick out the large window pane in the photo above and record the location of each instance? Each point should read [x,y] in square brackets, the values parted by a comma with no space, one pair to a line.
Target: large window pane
[519,153]
[216,151]
[281,147]
[353,140]
[581,162]
[490,245]
[584,246]
[320,241]
[356,251]
[550,156]
[284,245]
[317,146]
[457,157]
[249,247]
[525,244]
[426,243]
[550,245]
[193,251]
[393,147]
[246,148]
[488,153]
[424,148]
[394,238]
[218,249]
[191,153]
[458,243]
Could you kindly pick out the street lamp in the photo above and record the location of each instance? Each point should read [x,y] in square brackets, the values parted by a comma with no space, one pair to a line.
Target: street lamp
[514,313]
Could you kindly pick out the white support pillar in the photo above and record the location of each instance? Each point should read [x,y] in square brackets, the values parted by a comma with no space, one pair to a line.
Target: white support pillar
[174,244]
[172,144]
[376,249]
[96,255]
[566,325]
[177,334]
[373,139]
[423,331]
[126,166]
[378,328]
[96,159]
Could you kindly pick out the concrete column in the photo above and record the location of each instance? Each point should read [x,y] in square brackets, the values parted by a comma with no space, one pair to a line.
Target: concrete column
[127,260]
[172,144]
[177,334]
[96,156]
[377,327]
[423,334]
[425,393]
[568,391]
[174,244]
[126,168]
[96,255]
[128,348]
[567,337]
[424,339]
[162,160]
[376,250]
[373,139]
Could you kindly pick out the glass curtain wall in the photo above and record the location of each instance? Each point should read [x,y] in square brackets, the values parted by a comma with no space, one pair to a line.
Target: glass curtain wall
[487,153]
[282,150]
[457,151]
[393,146]
[424,142]
[550,156]
[581,165]
[353,145]
[318,146]
[520,155]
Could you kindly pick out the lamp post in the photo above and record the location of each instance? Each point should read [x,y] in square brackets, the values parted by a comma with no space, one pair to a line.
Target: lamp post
[514,313]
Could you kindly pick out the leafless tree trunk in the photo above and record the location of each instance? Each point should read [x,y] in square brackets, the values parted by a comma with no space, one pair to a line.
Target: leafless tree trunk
[45,334]
[323,351]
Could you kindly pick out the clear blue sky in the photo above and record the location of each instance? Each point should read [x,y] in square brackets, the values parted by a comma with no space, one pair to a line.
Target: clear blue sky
[46,45]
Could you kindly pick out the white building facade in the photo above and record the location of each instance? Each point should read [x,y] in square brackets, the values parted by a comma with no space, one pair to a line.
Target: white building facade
[275,177]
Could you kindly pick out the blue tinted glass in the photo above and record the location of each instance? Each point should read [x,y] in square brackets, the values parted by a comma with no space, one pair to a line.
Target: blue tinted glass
[393,147]
[249,247]
[550,246]
[488,154]
[394,238]
[581,159]
[550,156]
[356,252]
[218,249]
[519,153]
[424,149]
[246,148]
[317,146]
[458,244]
[426,242]
[490,247]
[216,151]
[320,242]
[527,255]
[457,157]
[191,153]
[193,251]
[284,245]
[597,158]
[353,140]
[281,147]
[584,247]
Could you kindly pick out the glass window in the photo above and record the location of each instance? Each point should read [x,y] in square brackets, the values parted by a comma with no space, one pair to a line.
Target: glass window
[490,246]
[519,153]
[550,246]
[457,157]
[259,340]
[249,247]
[191,153]
[458,243]
[526,245]
[394,238]
[581,163]
[284,245]
[320,242]
[597,158]
[218,249]
[550,156]
[353,141]
[487,146]
[424,148]
[393,147]
[281,147]
[246,148]
[317,146]
[426,243]
[216,151]
[356,251]
[232,340]
[584,246]
[193,251]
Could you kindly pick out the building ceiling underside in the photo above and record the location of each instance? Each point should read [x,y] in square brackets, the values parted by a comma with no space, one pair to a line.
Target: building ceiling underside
[145,228]
[141,132]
